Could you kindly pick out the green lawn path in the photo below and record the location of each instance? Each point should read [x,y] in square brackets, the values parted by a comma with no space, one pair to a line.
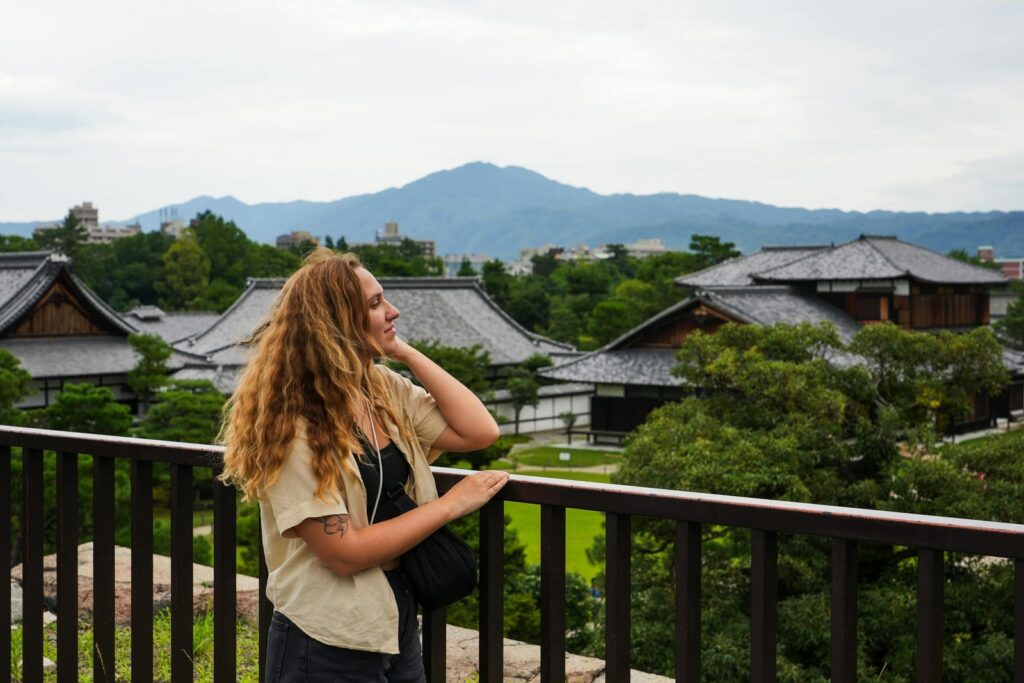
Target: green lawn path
[581,526]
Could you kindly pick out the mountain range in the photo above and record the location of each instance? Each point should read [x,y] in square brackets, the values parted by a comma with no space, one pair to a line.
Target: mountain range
[480,207]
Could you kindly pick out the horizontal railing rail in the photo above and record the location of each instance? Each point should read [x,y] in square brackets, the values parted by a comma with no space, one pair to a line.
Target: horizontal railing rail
[846,527]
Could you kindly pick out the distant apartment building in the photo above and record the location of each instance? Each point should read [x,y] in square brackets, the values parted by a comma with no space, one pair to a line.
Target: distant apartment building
[391,235]
[88,216]
[642,248]
[173,228]
[295,238]
[1013,268]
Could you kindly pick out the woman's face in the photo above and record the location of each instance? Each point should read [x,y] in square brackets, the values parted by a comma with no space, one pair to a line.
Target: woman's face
[382,314]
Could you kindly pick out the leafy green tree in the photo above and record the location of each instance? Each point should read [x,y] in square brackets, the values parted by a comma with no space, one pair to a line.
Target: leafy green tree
[225,245]
[709,250]
[66,238]
[150,371]
[1011,326]
[962,255]
[466,269]
[17,243]
[188,410]
[264,260]
[777,418]
[497,281]
[544,264]
[523,391]
[87,408]
[15,384]
[469,366]
[124,273]
[217,296]
[186,275]
[403,260]
[328,241]
[528,303]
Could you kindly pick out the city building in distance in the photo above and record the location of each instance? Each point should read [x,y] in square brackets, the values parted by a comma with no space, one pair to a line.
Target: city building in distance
[88,216]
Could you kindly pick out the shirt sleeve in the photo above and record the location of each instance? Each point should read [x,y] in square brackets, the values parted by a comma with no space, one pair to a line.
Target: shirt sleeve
[421,409]
[293,498]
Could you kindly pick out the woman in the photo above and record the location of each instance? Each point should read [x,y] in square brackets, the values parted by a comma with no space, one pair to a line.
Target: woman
[313,425]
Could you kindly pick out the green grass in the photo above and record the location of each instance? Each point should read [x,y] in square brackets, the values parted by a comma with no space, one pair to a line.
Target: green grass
[247,650]
[581,526]
[548,456]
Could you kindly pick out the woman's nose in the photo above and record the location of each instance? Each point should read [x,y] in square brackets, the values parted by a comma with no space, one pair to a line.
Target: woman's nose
[393,313]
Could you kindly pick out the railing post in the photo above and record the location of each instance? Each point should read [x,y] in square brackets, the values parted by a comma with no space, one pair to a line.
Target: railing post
[764,614]
[181,574]
[67,567]
[434,628]
[266,611]
[688,601]
[225,608]
[618,545]
[492,591]
[844,611]
[930,580]
[142,571]
[552,593]
[5,564]
[103,523]
[1018,621]
[32,565]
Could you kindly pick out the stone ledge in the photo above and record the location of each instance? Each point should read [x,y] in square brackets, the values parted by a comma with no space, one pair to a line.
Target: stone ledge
[522,662]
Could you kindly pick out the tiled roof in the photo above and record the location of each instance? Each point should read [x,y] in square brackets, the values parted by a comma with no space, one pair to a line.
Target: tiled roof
[83,357]
[620,363]
[27,276]
[880,258]
[452,311]
[172,327]
[651,367]
[738,271]
[769,304]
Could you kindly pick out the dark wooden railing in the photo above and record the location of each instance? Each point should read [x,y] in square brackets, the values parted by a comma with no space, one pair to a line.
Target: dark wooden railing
[847,527]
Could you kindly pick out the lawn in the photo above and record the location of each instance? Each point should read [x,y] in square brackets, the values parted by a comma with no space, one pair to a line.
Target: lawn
[549,456]
[581,526]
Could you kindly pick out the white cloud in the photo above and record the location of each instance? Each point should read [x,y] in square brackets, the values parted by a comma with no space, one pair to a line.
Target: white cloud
[863,105]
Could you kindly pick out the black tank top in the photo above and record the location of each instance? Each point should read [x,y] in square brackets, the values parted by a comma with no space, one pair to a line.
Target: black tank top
[396,473]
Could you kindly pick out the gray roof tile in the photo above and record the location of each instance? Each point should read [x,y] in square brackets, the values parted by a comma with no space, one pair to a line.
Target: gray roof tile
[171,327]
[83,357]
[451,311]
[650,367]
[880,258]
[738,271]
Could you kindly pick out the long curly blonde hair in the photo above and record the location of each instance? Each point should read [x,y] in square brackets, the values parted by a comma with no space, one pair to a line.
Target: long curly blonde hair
[313,359]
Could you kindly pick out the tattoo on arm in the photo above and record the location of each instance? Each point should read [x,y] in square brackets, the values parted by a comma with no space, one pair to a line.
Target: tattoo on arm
[334,524]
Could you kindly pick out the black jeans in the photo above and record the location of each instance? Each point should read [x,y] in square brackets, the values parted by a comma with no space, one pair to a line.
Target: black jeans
[294,657]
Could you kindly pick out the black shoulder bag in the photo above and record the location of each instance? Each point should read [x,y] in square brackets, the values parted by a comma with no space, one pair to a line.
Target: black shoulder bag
[441,568]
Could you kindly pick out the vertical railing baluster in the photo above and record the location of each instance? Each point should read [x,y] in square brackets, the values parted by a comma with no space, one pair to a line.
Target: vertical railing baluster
[930,580]
[142,571]
[492,591]
[32,565]
[225,609]
[552,593]
[266,610]
[434,660]
[618,544]
[67,567]
[103,522]
[181,574]
[1018,621]
[688,603]
[5,565]
[844,611]
[764,605]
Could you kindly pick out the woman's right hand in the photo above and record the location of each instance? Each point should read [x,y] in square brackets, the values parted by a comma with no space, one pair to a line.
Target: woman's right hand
[474,491]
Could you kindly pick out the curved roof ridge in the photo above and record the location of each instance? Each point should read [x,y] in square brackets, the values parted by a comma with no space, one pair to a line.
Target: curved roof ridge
[870,239]
[253,284]
[535,338]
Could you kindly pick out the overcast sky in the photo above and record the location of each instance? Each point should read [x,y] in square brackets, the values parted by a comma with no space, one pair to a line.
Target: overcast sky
[909,105]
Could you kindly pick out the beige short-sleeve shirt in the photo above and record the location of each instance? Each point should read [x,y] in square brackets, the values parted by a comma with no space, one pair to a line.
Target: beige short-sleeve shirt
[359,611]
